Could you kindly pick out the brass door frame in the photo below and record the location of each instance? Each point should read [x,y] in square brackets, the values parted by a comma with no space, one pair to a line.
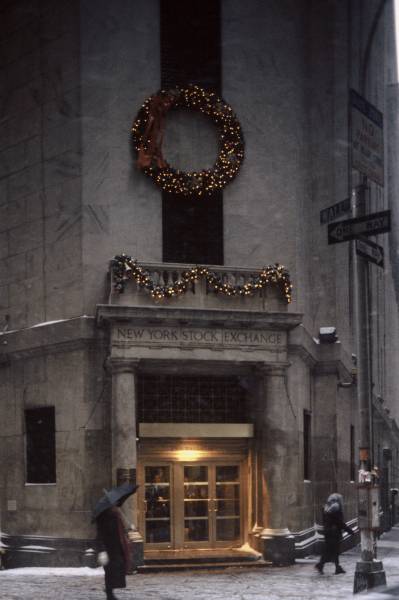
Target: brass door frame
[242,465]
[142,502]
[177,502]
[180,492]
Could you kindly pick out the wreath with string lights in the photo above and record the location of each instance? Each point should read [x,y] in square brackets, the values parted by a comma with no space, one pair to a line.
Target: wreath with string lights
[148,132]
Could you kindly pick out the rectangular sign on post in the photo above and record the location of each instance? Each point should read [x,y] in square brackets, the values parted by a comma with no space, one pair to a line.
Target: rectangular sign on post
[371,251]
[342,231]
[367,141]
[333,212]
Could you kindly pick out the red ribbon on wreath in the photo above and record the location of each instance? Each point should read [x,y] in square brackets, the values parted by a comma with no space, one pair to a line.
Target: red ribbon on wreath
[150,150]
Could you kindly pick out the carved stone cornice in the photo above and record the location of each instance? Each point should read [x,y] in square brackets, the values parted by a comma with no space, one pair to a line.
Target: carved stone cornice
[165,315]
[49,338]
[322,359]
[277,369]
[307,357]
[120,364]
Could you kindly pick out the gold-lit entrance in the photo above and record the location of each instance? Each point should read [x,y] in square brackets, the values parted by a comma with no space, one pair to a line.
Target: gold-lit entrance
[191,504]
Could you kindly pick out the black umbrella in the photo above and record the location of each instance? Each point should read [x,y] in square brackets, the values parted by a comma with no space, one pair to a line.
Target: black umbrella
[116,495]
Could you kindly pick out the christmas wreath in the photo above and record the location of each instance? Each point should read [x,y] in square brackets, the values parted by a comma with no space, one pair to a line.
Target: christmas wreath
[148,131]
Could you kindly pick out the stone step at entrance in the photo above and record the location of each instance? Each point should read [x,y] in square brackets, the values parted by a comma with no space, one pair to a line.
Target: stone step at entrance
[175,560]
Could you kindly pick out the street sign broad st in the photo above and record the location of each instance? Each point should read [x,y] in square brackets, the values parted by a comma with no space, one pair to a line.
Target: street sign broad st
[333,212]
[367,141]
[370,251]
[343,231]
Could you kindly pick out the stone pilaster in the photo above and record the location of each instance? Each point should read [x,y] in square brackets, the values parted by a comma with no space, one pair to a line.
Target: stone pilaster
[123,420]
[278,454]
[124,439]
[325,435]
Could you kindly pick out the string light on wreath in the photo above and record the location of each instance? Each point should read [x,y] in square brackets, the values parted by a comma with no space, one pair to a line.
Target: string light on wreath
[125,268]
[148,131]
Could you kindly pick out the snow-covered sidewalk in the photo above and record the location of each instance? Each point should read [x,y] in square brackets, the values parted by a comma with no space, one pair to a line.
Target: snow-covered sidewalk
[300,582]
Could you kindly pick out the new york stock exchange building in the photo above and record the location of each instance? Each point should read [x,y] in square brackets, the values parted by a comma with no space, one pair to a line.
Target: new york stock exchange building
[173,314]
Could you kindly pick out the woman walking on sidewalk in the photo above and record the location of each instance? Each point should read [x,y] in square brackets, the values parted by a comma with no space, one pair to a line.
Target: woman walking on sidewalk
[334,523]
[115,556]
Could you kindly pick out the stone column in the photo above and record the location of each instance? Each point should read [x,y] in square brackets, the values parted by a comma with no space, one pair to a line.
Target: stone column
[278,449]
[124,440]
[256,410]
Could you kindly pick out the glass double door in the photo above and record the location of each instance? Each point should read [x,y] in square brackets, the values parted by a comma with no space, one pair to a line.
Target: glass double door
[192,505]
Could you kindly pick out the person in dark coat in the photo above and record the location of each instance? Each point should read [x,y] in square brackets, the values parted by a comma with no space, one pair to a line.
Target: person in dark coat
[111,533]
[334,524]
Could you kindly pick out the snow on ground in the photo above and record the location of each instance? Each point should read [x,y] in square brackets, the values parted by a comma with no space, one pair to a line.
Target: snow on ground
[299,582]
[53,572]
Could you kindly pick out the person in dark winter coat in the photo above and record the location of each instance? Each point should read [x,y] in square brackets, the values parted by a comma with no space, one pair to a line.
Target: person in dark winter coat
[111,533]
[334,524]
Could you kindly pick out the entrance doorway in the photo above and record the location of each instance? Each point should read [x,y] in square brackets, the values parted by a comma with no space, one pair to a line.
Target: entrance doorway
[191,505]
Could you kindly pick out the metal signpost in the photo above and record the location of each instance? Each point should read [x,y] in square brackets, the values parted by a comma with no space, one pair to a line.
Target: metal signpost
[367,157]
[369,572]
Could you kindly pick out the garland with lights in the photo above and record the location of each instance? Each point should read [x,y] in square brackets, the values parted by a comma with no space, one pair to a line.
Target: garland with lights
[148,130]
[125,268]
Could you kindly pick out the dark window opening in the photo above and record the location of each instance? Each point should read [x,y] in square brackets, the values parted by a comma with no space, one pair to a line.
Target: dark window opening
[352,454]
[191,43]
[40,445]
[193,229]
[191,54]
[171,399]
[307,438]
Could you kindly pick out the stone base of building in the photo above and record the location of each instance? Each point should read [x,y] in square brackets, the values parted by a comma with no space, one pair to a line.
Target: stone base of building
[279,549]
[137,553]
[35,551]
[277,546]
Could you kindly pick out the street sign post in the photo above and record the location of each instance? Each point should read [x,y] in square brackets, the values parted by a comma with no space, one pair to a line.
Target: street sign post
[342,231]
[370,251]
[333,212]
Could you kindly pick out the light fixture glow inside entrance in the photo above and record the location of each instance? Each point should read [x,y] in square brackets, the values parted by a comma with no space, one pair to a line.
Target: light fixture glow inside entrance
[188,455]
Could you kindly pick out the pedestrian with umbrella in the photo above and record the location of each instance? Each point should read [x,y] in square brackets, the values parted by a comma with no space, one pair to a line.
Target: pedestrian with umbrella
[334,524]
[111,533]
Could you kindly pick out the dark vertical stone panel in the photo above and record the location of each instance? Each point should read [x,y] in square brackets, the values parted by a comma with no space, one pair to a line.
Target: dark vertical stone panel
[191,53]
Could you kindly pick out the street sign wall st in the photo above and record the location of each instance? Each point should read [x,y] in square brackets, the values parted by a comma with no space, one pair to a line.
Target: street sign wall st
[333,212]
[342,231]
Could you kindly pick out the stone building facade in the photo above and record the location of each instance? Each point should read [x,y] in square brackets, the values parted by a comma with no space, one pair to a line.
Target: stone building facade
[234,415]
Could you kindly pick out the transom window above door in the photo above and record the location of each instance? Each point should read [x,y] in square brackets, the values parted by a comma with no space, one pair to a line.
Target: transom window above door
[172,399]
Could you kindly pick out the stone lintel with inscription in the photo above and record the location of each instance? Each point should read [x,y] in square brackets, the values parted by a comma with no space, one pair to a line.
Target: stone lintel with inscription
[124,335]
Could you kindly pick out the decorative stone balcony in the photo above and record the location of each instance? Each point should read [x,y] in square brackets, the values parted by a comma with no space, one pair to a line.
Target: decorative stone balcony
[199,293]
